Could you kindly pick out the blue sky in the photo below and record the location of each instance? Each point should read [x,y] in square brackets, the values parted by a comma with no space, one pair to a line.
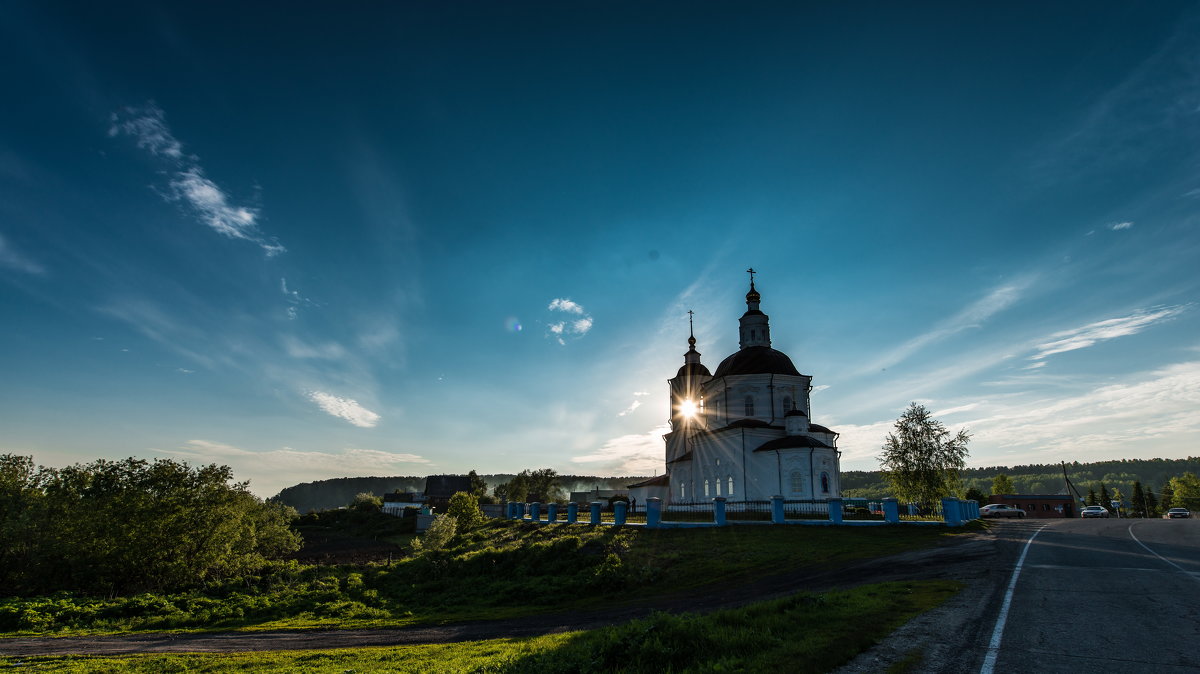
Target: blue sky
[300,241]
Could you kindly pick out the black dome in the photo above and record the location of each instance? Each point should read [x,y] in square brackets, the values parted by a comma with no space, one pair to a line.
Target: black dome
[757,360]
[693,369]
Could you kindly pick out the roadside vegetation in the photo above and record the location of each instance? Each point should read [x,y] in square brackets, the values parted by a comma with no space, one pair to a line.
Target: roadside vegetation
[130,527]
[497,569]
[806,632]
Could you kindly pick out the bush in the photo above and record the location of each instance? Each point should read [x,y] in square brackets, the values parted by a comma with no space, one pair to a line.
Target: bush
[438,537]
[367,503]
[464,507]
[132,526]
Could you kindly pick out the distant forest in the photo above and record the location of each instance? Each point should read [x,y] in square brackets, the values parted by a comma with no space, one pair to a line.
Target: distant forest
[1029,479]
[1047,478]
[340,491]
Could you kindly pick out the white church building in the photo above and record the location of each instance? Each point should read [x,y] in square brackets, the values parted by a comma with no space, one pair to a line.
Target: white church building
[744,432]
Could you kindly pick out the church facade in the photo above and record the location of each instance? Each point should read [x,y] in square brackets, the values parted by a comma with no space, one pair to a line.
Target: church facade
[744,432]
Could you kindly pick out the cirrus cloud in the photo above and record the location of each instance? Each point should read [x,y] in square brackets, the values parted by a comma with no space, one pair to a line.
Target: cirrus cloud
[148,126]
[1100,331]
[344,408]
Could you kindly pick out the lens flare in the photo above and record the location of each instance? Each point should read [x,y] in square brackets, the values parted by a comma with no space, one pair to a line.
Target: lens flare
[512,324]
[688,408]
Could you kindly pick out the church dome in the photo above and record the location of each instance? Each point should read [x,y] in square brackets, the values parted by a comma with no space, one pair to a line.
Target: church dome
[693,370]
[756,360]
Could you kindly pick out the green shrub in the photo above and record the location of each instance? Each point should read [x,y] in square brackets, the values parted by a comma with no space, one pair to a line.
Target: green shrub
[464,507]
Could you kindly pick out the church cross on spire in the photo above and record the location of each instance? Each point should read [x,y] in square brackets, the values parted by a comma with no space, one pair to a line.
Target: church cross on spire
[691,331]
[751,272]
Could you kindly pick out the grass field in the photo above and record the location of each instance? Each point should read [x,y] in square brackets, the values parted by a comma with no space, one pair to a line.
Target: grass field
[499,570]
[803,633]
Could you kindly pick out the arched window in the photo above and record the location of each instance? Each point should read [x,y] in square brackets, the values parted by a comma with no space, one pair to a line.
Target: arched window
[825,483]
[787,404]
[706,487]
[717,484]
[749,406]
[682,491]
[730,491]
[796,482]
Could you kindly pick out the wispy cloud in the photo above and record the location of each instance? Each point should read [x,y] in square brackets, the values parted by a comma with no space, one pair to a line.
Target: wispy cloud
[300,349]
[956,410]
[345,408]
[1148,414]
[11,258]
[1118,226]
[294,298]
[1100,331]
[571,327]
[147,125]
[634,454]
[1157,406]
[272,470]
[211,205]
[633,405]
[971,316]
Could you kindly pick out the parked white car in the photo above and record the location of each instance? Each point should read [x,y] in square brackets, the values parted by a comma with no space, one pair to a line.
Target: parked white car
[1000,510]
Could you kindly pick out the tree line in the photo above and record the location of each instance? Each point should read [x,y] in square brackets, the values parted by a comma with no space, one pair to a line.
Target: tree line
[337,492]
[1116,475]
[114,527]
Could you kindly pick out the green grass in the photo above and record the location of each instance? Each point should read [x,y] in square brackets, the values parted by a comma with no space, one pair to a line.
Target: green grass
[500,570]
[803,633]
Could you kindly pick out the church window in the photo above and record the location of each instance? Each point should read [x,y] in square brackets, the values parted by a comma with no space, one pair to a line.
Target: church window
[825,482]
[682,491]
[787,404]
[706,488]
[796,481]
[749,406]
[717,484]
[730,485]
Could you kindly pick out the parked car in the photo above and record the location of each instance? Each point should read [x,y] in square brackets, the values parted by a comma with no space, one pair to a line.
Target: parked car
[1094,511]
[1177,512]
[1000,510]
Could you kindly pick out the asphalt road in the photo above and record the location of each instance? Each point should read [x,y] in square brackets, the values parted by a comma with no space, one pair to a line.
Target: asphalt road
[1090,597]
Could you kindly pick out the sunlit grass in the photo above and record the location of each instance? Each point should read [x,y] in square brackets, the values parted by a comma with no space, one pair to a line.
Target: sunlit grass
[806,632]
[501,570]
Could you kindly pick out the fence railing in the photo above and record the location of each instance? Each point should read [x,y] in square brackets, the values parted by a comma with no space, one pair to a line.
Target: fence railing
[777,510]
[805,509]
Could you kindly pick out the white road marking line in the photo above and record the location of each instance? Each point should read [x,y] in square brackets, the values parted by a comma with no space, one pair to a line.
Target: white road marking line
[1190,574]
[1093,568]
[993,652]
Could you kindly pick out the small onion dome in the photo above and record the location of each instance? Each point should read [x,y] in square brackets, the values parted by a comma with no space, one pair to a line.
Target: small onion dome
[753,295]
[693,370]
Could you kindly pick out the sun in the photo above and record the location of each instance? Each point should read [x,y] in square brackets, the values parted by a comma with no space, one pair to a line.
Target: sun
[688,408]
